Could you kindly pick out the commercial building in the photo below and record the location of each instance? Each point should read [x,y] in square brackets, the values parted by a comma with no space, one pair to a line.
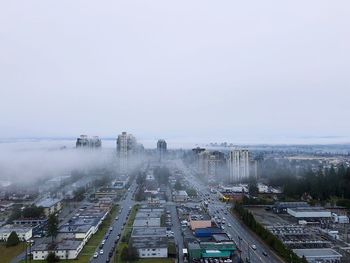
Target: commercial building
[309,212]
[199,221]
[23,233]
[50,205]
[238,163]
[161,149]
[212,250]
[180,196]
[320,255]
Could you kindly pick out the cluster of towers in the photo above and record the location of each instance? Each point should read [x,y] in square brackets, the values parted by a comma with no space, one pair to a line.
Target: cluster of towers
[237,164]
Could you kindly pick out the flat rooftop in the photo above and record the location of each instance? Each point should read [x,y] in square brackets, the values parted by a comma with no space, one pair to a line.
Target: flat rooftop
[75,229]
[308,209]
[150,222]
[16,228]
[152,214]
[150,242]
[65,244]
[317,253]
[48,202]
[149,231]
[196,217]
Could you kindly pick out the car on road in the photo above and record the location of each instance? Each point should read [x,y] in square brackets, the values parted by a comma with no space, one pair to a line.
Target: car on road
[229,225]
[101,251]
[254,247]
[103,242]
[95,255]
[264,253]
[117,218]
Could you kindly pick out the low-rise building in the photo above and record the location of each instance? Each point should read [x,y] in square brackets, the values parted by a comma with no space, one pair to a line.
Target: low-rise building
[317,255]
[65,249]
[180,196]
[309,212]
[23,233]
[151,247]
[81,232]
[50,205]
[218,250]
[199,221]
[281,207]
[149,232]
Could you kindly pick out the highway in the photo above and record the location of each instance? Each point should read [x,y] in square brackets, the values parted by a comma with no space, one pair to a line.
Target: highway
[110,244]
[237,230]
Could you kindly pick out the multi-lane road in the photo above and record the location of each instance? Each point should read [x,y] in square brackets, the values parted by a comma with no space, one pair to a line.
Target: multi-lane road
[239,233]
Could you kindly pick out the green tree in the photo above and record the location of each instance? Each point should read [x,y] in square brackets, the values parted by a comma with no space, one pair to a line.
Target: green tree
[52,226]
[124,254]
[178,185]
[12,240]
[253,187]
[51,258]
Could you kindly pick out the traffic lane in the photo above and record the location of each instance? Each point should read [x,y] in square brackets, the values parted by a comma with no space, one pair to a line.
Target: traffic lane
[117,229]
[248,239]
[177,230]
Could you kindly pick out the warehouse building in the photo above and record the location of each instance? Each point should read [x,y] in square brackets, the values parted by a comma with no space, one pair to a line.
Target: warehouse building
[309,212]
[323,255]
[281,207]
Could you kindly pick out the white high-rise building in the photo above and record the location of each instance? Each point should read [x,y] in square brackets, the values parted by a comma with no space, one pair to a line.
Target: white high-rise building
[238,163]
[122,152]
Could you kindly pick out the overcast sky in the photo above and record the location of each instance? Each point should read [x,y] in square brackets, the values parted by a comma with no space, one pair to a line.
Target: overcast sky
[272,71]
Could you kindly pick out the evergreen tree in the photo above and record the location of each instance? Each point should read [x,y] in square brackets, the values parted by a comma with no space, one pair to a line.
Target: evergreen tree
[12,240]
[52,226]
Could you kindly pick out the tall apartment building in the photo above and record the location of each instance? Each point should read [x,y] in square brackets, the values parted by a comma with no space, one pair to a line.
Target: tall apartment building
[238,163]
[85,141]
[128,151]
[161,149]
[122,152]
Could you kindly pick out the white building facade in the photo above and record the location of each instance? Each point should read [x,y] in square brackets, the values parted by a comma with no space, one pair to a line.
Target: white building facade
[238,163]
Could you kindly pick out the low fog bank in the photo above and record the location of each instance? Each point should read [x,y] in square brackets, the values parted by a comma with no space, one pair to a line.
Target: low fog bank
[27,160]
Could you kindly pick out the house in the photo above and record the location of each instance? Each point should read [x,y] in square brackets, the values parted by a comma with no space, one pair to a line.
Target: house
[23,233]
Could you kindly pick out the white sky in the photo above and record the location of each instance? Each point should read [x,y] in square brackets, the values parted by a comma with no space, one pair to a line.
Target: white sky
[187,70]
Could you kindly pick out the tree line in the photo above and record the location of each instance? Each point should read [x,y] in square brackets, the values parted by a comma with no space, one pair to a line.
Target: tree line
[322,185]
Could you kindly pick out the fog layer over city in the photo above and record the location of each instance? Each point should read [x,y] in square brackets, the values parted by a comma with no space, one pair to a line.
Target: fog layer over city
[28,160]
